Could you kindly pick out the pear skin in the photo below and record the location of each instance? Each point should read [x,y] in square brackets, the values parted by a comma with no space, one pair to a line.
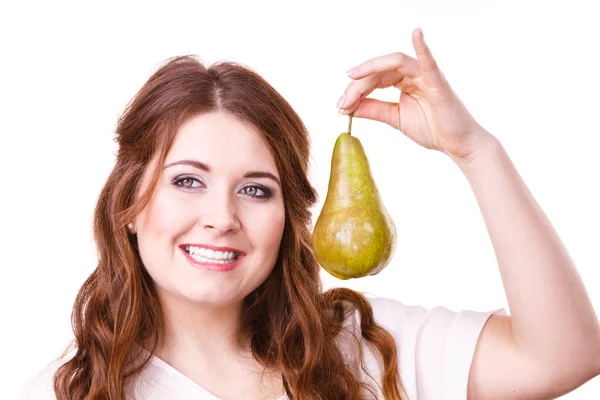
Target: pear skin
[354,235]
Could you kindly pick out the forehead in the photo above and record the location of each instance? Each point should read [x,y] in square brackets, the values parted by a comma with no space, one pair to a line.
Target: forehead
[221,139]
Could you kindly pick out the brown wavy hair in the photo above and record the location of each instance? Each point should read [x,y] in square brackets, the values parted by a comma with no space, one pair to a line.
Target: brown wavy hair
[290,321]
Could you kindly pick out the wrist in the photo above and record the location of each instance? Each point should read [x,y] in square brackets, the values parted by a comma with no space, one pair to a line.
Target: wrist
[483,145]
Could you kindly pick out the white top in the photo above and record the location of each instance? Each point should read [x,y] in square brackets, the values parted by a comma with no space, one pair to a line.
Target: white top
[435,350]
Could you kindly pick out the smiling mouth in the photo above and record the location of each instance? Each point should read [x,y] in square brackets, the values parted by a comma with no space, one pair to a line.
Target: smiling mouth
[204,255]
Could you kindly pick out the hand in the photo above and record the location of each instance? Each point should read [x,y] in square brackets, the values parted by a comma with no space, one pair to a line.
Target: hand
[428,112]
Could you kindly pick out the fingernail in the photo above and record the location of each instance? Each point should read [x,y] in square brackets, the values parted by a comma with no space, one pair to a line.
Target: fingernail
[352,71]
[421,34]
[341,101]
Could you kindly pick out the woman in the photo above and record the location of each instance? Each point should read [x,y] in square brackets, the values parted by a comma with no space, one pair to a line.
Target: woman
[207,286]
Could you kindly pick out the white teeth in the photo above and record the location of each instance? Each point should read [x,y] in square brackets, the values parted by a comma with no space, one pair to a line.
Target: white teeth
[221,255]
[204,259]
[211,260]
[209,255]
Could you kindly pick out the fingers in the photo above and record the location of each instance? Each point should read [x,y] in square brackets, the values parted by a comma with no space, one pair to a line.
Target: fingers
[400,70]
[379,72]
[432,75]
[356,91]
[398,62]
[377,110]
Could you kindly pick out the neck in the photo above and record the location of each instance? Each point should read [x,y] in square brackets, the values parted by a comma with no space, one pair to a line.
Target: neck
[196,332]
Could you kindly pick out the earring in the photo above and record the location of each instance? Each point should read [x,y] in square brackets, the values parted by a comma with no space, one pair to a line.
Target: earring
[130,226]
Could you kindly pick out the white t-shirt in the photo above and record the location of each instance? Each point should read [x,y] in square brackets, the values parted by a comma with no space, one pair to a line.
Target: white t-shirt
[435,350]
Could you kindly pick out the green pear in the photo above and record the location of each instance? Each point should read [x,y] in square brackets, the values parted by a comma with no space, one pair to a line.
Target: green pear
[354,235]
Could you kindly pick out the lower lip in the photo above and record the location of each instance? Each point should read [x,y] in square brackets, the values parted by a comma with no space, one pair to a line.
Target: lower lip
[213,266]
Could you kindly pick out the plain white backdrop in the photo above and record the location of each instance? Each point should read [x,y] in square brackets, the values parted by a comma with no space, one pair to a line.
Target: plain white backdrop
[527,71]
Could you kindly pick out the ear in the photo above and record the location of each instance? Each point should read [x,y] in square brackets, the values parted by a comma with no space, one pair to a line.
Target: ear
[131,227]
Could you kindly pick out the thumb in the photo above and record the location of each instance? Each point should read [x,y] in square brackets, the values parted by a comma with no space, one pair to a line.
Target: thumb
[377,110]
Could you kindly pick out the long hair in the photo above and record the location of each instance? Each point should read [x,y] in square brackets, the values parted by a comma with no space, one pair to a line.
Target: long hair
[290,321]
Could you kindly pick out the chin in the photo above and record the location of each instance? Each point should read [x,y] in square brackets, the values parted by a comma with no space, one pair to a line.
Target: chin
[215,297]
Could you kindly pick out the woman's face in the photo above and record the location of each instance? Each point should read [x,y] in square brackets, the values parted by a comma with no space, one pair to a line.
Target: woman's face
[219,193]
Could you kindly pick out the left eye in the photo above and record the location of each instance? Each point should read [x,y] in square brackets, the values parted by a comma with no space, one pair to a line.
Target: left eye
[253,190]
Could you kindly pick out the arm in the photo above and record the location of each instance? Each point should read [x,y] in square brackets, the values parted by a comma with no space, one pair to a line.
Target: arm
[553,334]
[550,344]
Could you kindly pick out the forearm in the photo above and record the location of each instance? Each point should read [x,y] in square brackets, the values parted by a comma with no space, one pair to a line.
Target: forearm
[552,316]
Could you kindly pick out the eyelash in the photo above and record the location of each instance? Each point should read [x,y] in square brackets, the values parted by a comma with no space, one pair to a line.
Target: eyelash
[178,182]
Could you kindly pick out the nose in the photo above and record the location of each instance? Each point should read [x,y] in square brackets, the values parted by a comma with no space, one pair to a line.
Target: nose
[219,213]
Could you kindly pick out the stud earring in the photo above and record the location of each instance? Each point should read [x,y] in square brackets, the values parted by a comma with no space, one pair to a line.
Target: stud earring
[130,226]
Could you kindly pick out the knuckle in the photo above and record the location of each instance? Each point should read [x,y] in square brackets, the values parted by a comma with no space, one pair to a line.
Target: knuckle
[355,91]
[360,88]
[399,58]
[363,91]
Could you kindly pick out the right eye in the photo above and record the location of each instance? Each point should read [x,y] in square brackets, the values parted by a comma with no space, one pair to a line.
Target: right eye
[187,182]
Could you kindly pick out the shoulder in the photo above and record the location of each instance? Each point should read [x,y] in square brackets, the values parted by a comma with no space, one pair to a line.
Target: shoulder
[435,346]
[417,321]
[41,385]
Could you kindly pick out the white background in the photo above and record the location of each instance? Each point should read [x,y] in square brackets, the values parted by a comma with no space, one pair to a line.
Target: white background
[528,72]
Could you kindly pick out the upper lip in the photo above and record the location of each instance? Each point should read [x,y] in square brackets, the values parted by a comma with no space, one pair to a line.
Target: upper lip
[215,248]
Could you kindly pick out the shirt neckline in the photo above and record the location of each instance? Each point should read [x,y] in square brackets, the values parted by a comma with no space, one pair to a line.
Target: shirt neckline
[166,367]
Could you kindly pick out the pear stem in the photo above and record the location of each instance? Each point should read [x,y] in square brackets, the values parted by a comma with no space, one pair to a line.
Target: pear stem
[350,124]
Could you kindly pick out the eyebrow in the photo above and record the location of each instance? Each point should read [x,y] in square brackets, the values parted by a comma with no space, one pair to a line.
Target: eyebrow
[205,167]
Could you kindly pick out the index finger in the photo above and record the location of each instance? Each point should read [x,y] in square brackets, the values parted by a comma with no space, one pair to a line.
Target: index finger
[377,73]
[398,62]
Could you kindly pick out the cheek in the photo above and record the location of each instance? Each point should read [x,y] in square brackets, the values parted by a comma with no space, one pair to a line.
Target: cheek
[266,228]
[161,221]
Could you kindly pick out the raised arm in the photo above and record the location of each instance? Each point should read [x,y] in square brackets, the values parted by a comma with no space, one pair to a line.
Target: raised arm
[550,344]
